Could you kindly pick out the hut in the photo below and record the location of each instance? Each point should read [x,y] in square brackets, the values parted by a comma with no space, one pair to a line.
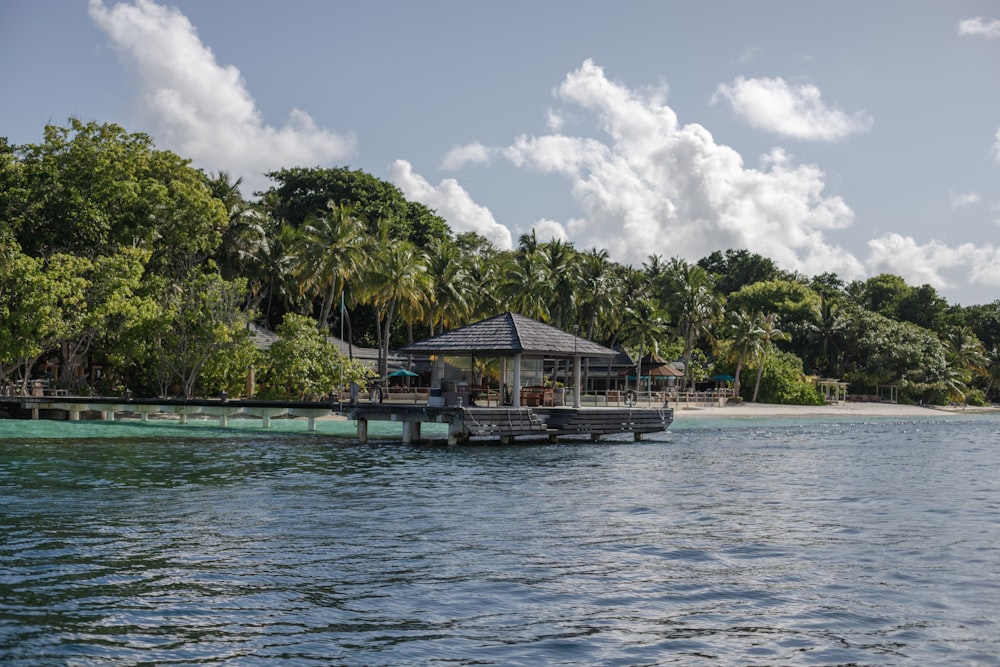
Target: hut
[504,354]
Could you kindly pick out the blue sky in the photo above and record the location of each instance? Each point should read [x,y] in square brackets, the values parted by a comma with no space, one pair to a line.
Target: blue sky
[854,137]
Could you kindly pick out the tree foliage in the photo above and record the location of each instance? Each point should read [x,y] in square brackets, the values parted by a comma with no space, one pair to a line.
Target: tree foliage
[301,364]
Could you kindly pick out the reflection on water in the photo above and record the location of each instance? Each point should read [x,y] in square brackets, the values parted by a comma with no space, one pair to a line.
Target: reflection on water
[758,543]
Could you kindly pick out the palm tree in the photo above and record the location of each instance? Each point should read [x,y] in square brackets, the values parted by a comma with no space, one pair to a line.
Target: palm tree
[562,280]
[691,301]
[246,228]
[395,282]
[746,338]
[769,333]
[270,265]
[523,284]
[331,252]
[644,329]
[448,295]
[829,331]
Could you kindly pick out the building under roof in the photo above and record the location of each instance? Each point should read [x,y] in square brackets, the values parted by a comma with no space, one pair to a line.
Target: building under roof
[511,335]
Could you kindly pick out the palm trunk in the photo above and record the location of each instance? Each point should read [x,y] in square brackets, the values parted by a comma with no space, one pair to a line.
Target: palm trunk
[756,384]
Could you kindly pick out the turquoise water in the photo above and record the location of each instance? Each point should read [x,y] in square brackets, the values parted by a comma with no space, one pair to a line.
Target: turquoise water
[718,542]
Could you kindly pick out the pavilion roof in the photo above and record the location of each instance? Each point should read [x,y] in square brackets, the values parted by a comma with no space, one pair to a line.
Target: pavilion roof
[509,334]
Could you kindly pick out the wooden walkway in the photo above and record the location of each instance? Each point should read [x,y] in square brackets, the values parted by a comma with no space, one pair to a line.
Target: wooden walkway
[464,423]
[72,407]
[505,423]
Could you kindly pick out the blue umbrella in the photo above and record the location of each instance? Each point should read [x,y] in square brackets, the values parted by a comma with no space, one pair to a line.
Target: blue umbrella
[403,373]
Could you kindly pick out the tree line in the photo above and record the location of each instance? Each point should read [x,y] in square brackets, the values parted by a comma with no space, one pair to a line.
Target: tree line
[118,253]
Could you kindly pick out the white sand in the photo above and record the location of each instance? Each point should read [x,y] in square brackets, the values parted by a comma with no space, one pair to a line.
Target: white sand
[845,410]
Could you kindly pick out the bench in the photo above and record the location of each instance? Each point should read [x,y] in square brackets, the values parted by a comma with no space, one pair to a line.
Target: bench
[537,396]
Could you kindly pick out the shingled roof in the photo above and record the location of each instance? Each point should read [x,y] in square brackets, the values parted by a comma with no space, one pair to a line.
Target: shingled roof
[509,334]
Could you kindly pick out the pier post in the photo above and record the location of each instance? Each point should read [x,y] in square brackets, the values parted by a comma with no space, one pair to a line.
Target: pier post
[74,415]
[109,415]
[456,432]
[312,423]
[362,431]
[408,429]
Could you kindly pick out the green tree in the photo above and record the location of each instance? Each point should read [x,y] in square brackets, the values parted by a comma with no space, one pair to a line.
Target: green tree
[795,304]
[302,364]
[739,268]
[882,351]
[744,342]
[89,189]
[769,333]
[827,336]
[198,319]
[395,280]
[303,192]
[644,329]
[687,291]
[449,299]
[782,381]
[331,251]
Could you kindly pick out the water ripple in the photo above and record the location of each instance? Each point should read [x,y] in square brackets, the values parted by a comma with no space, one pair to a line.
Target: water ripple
[761,544]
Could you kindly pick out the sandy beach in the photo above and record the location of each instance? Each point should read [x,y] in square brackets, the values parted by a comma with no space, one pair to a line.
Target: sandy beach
[843,410]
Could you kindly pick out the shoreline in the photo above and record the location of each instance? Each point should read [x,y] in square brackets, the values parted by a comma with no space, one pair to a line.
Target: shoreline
[842,410]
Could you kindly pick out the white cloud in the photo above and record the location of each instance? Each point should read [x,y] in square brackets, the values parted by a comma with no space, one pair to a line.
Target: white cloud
[452,203]
[979,27]
[459,156]
[776,106]
[923,264]
[960,200]
[548,230]
[656,186]
[202,109]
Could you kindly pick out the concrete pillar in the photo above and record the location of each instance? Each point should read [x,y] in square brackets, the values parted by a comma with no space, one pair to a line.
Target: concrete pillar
[184,419]
[312,423]
[408,432]
[362,431]
[223,420]
[74,415]
[109,415]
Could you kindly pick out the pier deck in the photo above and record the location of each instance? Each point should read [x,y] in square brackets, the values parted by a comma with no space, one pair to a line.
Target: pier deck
[506,423]
[464,423]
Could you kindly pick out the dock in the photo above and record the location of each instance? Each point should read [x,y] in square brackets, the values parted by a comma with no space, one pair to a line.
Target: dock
[72,407]
[464,423]
[508,423]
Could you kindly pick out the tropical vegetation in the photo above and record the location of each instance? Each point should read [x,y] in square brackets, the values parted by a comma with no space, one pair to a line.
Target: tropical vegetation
[118,255]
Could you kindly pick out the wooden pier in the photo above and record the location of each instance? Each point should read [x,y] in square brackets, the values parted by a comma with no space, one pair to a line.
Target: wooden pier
[507,423]
[464,423]
[109,407]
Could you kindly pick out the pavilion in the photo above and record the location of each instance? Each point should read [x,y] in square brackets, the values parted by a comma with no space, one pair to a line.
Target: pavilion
[518,343]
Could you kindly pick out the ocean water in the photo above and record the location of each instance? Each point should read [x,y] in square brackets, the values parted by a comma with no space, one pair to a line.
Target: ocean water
[753,542]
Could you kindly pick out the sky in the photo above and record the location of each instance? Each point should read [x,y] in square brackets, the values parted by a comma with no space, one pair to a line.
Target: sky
[852,137]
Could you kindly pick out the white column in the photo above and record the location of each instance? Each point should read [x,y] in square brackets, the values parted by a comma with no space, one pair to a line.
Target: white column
[576,381]
[515,396]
